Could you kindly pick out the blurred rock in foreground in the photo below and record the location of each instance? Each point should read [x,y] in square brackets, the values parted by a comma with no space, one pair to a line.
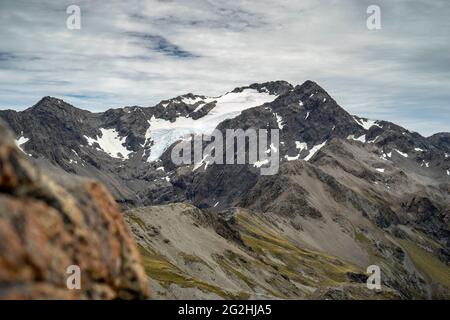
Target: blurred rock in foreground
[46,226]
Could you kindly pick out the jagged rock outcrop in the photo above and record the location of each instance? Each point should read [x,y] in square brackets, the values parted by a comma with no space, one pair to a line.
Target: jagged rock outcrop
[128,149]
[47,226]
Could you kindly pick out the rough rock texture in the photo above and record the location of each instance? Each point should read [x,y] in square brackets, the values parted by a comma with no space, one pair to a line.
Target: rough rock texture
[46,227]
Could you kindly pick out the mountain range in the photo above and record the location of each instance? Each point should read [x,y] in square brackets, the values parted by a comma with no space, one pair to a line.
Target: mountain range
[350,192]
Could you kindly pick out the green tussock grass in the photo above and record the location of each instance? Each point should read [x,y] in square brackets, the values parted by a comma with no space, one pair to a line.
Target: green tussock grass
[231,268]
[304,266]
[275,264]
[191,259]
[429,265]
[160,269]
[137,220]
[360,237]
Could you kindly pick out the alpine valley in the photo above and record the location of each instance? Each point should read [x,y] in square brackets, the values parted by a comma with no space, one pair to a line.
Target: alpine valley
[350,193]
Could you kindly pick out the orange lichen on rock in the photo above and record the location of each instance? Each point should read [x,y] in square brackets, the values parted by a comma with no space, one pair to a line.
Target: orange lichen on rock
[47,226]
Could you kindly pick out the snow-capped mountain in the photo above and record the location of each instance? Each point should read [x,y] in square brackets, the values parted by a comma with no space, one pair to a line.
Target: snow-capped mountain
[163,133]
[360,190]
[124,147]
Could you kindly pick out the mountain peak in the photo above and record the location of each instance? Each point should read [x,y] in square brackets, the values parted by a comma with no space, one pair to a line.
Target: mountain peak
[277,87]
[309,86]
[48,100]
[50,104]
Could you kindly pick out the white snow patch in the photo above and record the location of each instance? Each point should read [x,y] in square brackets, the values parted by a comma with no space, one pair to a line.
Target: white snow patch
[203,103]
[215,205]
[307,115]
[160,169]
[111,143]
[299,145]
[361,138]
[199,107]
[75,153]
[380,170]
[288,158]
[419,150]
[365,123]
[384,156]
[427,164]
[300,103]
[448,172]
[373,140]
[314,150]
[191,100]
[405,155]
[258,164]
[21,141]
[446,155]
[164,133]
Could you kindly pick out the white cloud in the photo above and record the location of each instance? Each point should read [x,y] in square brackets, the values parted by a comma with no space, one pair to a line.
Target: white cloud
[140,52]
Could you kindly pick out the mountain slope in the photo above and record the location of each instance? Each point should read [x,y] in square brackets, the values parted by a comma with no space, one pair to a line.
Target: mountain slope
[119,146]
[353,190]
[189,253]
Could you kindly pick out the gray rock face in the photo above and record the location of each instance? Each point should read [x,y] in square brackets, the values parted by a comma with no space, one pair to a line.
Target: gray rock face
[440,140]
[58,134]
[310,116]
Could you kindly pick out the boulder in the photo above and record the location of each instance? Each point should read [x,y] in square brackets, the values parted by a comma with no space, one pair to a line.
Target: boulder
[48,226]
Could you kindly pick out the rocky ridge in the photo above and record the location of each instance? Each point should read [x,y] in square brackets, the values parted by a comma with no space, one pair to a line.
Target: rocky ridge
[350,192]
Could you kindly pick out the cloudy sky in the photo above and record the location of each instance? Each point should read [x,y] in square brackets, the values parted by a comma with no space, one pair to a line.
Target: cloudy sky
[140,52]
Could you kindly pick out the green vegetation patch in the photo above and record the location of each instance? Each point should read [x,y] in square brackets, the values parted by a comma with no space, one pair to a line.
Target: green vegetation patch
[428,264]
[133,217]
[191,259]
[304,266]
[160,269]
